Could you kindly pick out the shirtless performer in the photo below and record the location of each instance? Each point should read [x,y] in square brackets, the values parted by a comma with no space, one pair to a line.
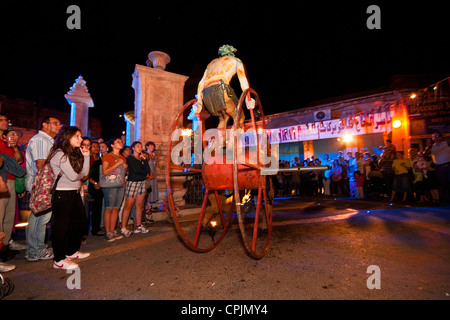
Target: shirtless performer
[214,90]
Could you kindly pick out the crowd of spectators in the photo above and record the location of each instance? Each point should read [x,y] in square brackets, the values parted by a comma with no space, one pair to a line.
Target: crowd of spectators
[411,177]
[81,203]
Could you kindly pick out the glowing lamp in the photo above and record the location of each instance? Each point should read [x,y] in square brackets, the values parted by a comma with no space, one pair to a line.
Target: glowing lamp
[396,124]
[348,138]
[21,225]
[413,96]
[186,132]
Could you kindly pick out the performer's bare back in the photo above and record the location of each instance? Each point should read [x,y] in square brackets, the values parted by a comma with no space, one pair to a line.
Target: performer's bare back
[224,68]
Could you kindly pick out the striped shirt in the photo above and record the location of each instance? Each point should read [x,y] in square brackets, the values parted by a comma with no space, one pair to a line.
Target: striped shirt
[38,149]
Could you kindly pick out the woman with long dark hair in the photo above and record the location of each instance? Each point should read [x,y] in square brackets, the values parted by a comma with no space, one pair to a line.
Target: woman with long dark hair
[68,209]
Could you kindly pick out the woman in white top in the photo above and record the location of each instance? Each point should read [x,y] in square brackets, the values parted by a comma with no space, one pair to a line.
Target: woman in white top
[68,209]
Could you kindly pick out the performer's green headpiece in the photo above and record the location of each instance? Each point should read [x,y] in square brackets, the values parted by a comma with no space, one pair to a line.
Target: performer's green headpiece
[227,50]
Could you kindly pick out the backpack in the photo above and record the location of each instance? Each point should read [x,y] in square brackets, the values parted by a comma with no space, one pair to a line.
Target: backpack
[43,189]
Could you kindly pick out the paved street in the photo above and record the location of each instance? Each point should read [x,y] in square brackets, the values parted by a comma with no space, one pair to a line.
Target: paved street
[319,250]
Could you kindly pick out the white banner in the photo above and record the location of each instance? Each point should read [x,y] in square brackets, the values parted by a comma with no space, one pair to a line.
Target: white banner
[355,125]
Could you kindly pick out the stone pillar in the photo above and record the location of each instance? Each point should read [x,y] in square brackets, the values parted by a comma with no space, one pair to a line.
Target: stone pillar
[80,101]
[158,99]
[129,121]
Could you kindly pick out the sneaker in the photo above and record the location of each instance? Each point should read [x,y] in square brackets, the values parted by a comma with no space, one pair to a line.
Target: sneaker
[45,255]
[117,235]
[65,264]
[6,267]
[109,237]
[140,229]
[78,255]
[126,233]
[16,246]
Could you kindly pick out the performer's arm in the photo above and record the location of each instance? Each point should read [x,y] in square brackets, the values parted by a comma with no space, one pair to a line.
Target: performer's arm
[199,104]
[242,75]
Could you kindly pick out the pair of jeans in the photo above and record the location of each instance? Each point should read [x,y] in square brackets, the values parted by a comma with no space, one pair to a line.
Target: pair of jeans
[35,234]
[96,208]
[443,172]
[113,197]
[69,221]
[8,211]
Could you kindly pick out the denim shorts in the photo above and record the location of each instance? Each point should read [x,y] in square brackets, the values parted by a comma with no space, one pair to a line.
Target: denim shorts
[113,197]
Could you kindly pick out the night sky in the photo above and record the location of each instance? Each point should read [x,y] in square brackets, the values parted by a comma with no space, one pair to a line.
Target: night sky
[295,53]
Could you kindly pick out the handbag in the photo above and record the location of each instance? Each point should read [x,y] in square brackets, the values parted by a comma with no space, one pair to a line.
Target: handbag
[115,179]
[19,184]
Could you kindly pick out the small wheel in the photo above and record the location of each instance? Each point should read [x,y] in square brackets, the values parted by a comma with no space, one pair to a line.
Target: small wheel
[255,226]
[203,232]
[6,287]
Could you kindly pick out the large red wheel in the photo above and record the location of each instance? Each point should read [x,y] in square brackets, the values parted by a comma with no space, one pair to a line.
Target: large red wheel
[255,222]
[197,232]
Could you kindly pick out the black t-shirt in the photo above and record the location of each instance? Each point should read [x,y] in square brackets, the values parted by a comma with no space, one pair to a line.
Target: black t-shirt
[137,169]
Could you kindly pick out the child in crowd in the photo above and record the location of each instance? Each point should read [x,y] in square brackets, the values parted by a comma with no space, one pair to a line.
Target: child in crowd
[420,174]
[401,178]
[359,178]
[422,165]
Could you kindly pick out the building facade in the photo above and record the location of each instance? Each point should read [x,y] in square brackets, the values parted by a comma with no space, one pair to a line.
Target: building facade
[26,116]
[362,123]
